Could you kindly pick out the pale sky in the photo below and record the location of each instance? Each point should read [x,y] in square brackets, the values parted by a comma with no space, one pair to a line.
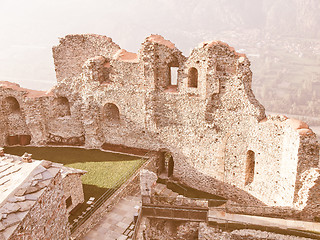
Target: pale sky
[29,28]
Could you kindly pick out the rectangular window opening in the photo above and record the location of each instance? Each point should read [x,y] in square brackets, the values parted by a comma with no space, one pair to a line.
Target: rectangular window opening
[174,76]
[69,202]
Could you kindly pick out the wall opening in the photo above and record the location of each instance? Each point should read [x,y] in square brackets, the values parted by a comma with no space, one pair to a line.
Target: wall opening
[173,76]
[61,107]
[68,202]
[173,72]
[111,113]
[250,165]
[162,168]
[166,165]
[11,105]
[170,166]
[193,77]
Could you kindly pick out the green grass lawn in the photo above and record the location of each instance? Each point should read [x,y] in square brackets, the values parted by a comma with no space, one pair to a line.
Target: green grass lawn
[105,170]
[106,174]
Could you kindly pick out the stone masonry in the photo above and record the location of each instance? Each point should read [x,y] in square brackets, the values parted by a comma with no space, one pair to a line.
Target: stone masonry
[32,202]
[207,118]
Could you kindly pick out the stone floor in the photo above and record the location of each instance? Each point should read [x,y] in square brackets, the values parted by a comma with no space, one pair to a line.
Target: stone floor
[114,224]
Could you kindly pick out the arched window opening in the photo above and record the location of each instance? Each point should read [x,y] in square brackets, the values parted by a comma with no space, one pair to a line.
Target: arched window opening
[111,113]
[61,107]
[193,77]
[11,105]
[250,164]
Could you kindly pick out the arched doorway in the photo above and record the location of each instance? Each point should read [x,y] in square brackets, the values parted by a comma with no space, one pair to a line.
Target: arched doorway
[16,127]
[11,105]
[166,164]
[111,113]
[193,77]
[61,107]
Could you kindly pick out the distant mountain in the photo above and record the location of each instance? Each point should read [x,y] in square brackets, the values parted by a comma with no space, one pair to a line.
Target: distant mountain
[285,17]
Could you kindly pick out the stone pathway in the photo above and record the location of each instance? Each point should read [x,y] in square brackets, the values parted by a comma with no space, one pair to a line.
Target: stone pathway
[115,223]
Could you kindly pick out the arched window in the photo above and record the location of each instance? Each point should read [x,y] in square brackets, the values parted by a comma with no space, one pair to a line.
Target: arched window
[11,105]
[193,77]
[111,113]
[250,164]
[61,107]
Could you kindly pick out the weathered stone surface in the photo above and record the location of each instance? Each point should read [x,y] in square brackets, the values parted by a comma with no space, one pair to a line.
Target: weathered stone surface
[72,187]
[26,205]
[208,233]
[147,180]
[167,229]
[34,205]
[48,216]
[9,208]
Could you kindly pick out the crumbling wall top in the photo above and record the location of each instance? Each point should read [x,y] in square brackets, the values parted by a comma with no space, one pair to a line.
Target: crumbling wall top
[74,50]
[160,40]
[28,92]
[126,56]
[217,43]
[299,126]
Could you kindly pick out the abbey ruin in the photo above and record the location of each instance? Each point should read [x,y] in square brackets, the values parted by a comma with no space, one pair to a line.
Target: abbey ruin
[207,118]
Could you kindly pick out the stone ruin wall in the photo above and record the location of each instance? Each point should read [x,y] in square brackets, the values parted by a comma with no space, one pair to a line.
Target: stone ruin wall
[107,95]
[72,188]
[48,218]
[167,229]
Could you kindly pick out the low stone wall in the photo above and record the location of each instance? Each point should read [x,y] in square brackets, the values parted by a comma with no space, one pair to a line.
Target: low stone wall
[132,185]
[72,187]
[167,229]
[266,211]
[124,149]
[208,232]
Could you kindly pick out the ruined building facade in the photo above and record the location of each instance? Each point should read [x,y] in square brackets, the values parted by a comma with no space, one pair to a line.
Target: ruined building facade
[208,118]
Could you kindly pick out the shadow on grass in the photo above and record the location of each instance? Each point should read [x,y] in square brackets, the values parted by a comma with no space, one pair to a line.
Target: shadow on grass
[89,191]
[68,155]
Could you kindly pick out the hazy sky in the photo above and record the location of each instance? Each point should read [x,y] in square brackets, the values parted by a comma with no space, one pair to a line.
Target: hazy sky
[29,28]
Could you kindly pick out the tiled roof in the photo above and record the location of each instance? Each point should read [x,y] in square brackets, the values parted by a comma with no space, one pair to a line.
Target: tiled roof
[21,184]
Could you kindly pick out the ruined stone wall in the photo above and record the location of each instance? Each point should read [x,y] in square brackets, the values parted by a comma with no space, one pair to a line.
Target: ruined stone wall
[48,218]
[171,230]
[74,50]
[39,115]
[13,114]
[209,120]
[72,187]
[207,232]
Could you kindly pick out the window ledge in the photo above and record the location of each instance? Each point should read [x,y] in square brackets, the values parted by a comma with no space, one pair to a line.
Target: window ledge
[171,89]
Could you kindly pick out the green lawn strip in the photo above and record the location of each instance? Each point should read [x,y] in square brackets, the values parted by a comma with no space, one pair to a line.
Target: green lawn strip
[104,169]
[106,174]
